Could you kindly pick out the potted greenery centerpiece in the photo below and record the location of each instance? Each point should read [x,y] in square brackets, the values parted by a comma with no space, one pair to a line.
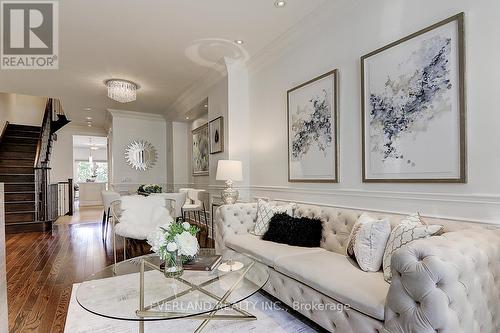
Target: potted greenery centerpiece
[175,243]
[147,189]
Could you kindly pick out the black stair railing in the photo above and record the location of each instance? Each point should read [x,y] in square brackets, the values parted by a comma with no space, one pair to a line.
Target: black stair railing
[53,120]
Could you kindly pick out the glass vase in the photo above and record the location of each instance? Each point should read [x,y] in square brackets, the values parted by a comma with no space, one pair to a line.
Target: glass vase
[173,264]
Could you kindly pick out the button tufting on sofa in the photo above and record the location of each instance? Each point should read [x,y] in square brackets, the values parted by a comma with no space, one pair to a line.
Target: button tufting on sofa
[456,275]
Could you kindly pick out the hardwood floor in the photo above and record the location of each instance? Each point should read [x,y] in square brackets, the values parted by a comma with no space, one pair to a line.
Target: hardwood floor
[42,267]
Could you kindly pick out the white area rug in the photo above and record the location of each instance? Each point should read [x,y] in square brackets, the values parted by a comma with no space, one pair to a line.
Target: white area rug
[269,319]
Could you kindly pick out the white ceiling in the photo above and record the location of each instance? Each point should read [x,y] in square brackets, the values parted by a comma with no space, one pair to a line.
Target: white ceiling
[163,45]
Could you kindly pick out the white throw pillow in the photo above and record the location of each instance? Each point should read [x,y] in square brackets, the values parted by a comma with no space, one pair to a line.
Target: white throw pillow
[411,228]
[265,211]
[369,241]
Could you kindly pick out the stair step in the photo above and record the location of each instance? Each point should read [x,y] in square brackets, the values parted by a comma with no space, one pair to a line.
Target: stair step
[16,169]
[19,147]
[20,206]
[17,178]
[13,217]
[17,162]
[17,154]
[8,139]
[19,196]
[30,134]
[23,128]
[19,187]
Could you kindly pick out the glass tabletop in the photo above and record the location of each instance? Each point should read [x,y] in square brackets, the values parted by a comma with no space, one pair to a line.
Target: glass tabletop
[116,292]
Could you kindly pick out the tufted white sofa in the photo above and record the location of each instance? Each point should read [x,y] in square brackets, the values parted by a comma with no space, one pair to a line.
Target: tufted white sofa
[448,283]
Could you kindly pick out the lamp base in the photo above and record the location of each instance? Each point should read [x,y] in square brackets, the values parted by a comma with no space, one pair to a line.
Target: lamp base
[230,195]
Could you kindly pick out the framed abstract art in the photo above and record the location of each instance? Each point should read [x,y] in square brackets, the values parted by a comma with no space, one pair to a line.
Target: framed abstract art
[313,130]
[200,151]
[413,107]
[216,132]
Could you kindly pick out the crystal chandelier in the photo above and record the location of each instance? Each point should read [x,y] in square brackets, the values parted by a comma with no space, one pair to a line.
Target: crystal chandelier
[122,91]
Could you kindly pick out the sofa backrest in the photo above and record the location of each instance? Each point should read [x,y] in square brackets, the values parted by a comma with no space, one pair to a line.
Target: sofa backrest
[338,223]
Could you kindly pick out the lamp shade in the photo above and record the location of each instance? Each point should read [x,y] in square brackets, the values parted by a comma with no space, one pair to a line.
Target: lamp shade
[229,170]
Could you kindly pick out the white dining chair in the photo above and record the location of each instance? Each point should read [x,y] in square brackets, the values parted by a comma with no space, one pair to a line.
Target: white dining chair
[107,198]
[180,200]
[136,217]
[194,206]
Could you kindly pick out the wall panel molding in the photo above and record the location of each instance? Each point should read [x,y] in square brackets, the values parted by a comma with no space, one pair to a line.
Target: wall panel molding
[462,207]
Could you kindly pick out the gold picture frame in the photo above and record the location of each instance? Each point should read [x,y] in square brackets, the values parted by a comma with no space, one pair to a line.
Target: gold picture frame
[200,151]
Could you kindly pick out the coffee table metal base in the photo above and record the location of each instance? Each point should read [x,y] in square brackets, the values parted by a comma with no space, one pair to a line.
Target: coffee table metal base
[144,311]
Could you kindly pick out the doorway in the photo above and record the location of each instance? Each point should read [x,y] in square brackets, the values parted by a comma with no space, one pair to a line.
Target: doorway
[90,170]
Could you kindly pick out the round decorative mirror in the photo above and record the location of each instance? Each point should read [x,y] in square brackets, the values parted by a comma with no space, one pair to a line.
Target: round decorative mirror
[141,155]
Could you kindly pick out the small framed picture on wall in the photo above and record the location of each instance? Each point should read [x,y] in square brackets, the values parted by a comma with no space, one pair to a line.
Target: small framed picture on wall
[200,151]
[313,130]
[216,133]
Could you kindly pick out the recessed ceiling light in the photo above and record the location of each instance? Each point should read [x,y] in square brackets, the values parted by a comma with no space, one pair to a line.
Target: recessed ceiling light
[205,106]
[187,118]
[88,109]
[89,124]
[94,148]
[239,41]
[280,3]
[88,118]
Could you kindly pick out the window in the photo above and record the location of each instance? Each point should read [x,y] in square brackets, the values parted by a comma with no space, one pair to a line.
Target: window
[84,171]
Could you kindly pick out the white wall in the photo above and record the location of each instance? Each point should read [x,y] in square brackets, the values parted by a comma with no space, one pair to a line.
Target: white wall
[129,126]
[180,155]
[61,160]
[336,36]
[3,279]
[215,88]
[22,109]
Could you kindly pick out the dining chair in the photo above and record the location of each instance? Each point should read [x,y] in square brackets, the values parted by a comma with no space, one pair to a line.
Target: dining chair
[194,206]
[107,198]
[180,200]
[136,217]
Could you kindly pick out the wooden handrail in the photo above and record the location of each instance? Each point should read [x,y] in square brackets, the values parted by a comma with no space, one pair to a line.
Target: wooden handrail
[3,131]
[45,123]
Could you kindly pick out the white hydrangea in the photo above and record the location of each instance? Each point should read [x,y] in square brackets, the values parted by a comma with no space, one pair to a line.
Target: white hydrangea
[171,247]
[186,225]
[188,244]
[157,239]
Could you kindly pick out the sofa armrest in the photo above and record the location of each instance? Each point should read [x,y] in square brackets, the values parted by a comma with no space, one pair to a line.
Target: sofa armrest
[448,283]
[233,219]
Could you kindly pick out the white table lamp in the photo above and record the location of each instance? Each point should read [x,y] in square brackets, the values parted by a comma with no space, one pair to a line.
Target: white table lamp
[229,171]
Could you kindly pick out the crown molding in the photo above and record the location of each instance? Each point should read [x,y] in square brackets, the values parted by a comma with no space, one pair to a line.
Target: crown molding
[115,113]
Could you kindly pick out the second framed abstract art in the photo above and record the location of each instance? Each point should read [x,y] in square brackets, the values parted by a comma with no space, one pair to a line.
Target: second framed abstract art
[312,109]
[413,107]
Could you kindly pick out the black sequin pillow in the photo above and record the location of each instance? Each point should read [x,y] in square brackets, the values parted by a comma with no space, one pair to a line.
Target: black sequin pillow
[295,231]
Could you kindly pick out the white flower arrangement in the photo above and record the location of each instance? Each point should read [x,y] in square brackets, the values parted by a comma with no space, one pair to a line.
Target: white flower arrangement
[177,236]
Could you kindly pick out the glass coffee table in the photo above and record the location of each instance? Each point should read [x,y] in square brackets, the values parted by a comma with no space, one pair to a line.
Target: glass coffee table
[137,290]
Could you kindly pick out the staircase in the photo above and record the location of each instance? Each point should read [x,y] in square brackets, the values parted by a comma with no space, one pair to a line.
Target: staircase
[17,159]
[24,169]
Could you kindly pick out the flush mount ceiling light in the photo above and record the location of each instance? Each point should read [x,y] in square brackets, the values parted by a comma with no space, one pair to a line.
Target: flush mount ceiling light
[122,91]
[280,3]
[239,41]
